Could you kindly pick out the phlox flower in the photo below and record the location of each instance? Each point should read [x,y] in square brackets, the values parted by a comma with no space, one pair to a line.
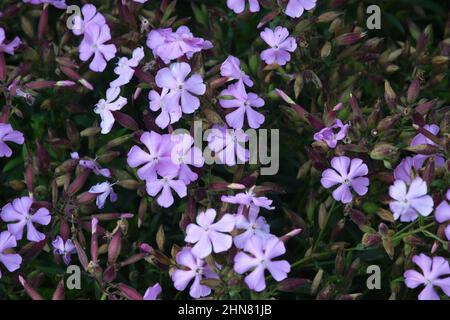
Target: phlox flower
[420,139]
[183,88]
[442,213]
[295,8]
[64,248]
[208,235]
[125,67]
[433,272]
[184,154]
[197,270]
[238,6]
[153,292]
[19,212]
[104,107]
[250,226]
[403,170]
[156,159]
[248,199]
[8,134]
[332,134]
[280,45]
[169,106]
[244,103]
[228,145]
[11,261]
[60,4]
[410,201]
[165,185]
[230,68]
[11,46]
[258,255]
[169,45]
[94,44]
[92,165]
[103,191]
[349,174]
[89,17]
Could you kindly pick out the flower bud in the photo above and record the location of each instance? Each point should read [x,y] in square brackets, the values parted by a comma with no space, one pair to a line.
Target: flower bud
[371,240]
[292,284]
[413,91]
[347,39]
[128,292]
[29,289]
[115,247]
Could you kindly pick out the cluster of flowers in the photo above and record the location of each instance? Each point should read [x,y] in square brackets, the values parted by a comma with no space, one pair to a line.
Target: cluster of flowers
[294,8]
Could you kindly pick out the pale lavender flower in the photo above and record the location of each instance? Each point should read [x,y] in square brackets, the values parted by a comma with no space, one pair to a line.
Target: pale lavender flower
[165,185]
[230,68]
[332,134]
[237,97]
[103,191]
[125,67]
[442,213]
[228,145]
[157,160]
[64,248]
[92,165]
[197,271]
[19,212]
[238,6]
[258,255]
[209,236]
[89,17]
[248,199]
[169,106]
[184,154]
[8,134]
[11,46]
[94,44]
[183,88]
[295,8]
[280,45]
[350,174]
[410,201]
[105,107]
[169,45]
[153,292]
[11,261]
[433,272]
[420,139]
[60,4]
[403,170]
[250,226]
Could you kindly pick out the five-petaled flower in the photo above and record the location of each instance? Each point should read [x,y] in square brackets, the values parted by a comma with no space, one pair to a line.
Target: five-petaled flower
[251,225]
[280,45]
[230,68]
[105,107]
[63,248]
[295,8]
[8,134]
[238,6]
[10,260]
[332,134]
[103,191]
[442,213]
[93,43]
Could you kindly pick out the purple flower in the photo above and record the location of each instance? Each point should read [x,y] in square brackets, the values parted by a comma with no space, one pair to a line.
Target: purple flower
[420,139]
[349,174]
[11,261]
[174,78]
[243,102]
[281,44]
[60,4]
[63,248]
[228,145]
[169,106]
[332,134]
[433,270]
[295,8]
[125,67]
[103,191]
[10,47]
[8,134]
[442,213]
[260,258]
[104,107]
[92,165]
[169,45]
[197,270]
[19,212]
[230,68]
[209,236]
[249,199]
[410,201]
[239,5]
[94,44]
[153,292]
[158,158]
[251,226]
[403,170]
[185,154]
[165,185]
[90,17]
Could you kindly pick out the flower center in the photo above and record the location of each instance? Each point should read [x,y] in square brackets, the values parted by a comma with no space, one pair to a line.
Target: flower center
[346,181]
